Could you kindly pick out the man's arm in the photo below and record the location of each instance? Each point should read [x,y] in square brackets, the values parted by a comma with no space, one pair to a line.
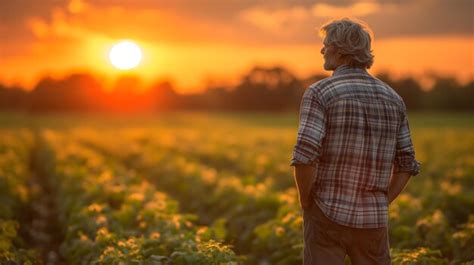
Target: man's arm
[304,178]
[397,184]
[405,164]
[312,128]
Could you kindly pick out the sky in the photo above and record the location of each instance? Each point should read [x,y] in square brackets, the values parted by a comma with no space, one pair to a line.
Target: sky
[196,43]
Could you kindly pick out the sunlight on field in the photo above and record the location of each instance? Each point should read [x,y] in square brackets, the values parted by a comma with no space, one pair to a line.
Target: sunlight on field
[210,188]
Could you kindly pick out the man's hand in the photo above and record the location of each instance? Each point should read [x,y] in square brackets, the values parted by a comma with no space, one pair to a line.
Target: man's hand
[304,177]
[397,183]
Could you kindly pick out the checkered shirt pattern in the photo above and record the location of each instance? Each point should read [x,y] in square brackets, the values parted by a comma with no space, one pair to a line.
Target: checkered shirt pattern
[354,130]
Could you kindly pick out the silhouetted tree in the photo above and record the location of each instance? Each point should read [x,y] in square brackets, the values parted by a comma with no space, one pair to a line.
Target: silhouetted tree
[12,98]
[78,92]
[267,89]
[127,95]
[448,94]
[163,96]
[264,89]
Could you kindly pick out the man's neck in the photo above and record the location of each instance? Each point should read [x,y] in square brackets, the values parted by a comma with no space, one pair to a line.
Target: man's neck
[341,65]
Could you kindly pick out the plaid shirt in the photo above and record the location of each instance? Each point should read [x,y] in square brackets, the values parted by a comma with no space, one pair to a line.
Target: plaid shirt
[354,130]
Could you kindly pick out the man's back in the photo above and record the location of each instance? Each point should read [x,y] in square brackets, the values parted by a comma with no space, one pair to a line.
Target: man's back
[354,128]
[353,133]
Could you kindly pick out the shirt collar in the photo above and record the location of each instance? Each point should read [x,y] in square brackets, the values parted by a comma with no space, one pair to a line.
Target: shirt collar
[346,69]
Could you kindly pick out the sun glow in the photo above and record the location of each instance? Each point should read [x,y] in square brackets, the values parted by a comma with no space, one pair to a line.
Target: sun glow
[125,55]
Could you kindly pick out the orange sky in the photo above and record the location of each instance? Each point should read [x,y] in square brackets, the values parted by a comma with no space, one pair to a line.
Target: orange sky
[194,43]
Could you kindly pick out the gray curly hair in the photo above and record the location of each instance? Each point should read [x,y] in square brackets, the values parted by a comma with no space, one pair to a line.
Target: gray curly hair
[352,39]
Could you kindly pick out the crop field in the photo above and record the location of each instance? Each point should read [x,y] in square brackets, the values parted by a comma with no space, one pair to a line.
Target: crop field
[201,188]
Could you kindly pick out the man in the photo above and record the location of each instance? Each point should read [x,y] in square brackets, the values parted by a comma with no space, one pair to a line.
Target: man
[353,153]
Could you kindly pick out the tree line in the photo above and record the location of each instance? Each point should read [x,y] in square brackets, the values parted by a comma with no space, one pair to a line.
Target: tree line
[261,89]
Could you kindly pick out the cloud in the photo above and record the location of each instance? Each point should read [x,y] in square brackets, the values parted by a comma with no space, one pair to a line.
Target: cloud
[424,18]
[278,21]
[13,13]
[77,6]
[299,24]
[81,20]
[359,9]
[387,18]
[287,20]
[248,22]
[62,25]
[275,20]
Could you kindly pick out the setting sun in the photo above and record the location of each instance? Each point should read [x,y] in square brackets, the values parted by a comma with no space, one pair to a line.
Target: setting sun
[125,55]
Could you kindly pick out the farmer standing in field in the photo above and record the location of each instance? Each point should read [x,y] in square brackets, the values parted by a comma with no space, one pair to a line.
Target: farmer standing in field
[353,132]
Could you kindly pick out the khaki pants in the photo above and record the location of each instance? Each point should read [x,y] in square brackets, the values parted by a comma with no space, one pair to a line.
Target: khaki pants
[326,242]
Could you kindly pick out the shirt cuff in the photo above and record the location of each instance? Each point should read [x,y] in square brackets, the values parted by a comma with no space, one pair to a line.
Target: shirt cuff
[412,167]
[299,159]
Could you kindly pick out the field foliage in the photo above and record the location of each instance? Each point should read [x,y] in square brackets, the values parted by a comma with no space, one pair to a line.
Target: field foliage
[200,188]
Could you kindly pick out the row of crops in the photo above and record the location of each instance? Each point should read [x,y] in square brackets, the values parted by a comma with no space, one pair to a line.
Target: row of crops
[14,195]
[188,194]
[106,214]
[262,222]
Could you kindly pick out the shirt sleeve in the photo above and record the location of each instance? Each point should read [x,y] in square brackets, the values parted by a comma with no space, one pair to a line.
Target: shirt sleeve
[405,154]
[311,131]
